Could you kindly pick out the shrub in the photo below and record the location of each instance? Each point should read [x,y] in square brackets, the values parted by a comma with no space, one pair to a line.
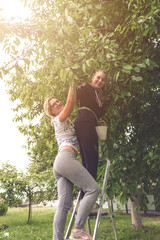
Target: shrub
[3,207]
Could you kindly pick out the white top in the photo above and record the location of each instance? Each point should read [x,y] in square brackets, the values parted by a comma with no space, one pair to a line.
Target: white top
[65,133]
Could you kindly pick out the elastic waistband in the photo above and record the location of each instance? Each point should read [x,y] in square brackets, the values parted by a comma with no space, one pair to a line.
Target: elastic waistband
[63,149]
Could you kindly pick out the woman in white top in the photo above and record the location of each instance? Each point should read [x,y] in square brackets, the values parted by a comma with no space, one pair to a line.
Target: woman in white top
[68,171]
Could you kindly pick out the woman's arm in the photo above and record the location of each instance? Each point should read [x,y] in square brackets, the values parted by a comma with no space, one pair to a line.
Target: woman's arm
[71,100]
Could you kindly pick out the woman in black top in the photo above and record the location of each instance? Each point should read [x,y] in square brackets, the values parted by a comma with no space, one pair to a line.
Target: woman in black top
[90,110]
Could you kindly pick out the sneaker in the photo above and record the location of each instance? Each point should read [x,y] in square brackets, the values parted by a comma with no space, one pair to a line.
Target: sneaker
[79,234]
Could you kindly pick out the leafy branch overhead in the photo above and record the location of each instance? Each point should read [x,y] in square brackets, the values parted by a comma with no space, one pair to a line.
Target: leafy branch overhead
[65,42]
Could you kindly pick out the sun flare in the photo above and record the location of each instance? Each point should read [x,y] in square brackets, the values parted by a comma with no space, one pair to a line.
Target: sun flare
[10,9]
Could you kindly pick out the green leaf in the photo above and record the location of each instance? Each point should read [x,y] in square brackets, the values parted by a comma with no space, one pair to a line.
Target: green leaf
[51,144]
[127,67]
[145,33]
[75,66]
[84,67]
[110,55]
[98,6]
[137,69]
[150,154]
[147,62]
[153,166]
[88,63]
[116,97]
[137,79]
[91,20]
[117,75]
[141,65]
[154,64]
[92,63]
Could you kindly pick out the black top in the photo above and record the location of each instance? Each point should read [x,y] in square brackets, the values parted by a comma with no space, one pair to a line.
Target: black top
[86,97]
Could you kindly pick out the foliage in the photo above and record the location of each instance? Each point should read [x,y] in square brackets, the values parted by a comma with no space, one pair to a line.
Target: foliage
[17,186]
[9,190]
[3,207]
[66,41]
[134,126]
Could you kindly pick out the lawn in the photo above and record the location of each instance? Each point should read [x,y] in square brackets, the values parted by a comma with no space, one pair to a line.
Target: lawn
[40,228]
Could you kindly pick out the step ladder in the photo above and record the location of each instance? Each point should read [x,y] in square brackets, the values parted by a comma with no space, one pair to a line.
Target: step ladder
[102,195]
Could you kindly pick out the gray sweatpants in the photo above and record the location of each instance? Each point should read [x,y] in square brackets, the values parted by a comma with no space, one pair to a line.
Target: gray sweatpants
[68,171]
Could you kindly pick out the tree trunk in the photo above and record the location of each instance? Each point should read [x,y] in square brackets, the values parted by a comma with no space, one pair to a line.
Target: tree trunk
[30,209]
[135,212]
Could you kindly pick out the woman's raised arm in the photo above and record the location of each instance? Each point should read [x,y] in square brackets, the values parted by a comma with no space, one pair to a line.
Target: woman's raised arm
[68,108]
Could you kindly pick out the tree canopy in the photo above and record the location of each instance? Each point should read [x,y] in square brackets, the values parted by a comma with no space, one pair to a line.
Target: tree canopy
[64,43]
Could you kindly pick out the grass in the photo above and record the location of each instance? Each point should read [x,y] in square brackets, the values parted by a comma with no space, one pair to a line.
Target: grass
[40,227]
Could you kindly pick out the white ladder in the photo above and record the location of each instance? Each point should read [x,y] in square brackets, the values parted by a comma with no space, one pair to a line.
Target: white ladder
[103,194]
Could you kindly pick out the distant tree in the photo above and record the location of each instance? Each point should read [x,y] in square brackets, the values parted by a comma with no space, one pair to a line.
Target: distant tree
[3,207]
[17,186]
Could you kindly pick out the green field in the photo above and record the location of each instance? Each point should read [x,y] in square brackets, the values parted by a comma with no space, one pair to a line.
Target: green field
[40,228]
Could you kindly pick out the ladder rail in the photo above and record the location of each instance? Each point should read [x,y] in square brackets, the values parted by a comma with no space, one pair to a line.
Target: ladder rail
[95,234]
[70,225]
[112,218]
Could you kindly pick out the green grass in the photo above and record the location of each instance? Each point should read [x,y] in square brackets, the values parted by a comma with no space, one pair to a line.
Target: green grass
[40,227]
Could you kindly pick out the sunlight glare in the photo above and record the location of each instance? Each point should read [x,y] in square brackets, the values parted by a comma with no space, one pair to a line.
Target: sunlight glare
[13,9]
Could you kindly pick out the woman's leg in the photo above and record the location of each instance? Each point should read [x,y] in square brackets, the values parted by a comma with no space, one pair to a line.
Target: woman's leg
[67,165]
[65,188]
[88,145]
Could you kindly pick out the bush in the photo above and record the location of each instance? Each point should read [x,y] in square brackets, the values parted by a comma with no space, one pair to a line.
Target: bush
[3,207]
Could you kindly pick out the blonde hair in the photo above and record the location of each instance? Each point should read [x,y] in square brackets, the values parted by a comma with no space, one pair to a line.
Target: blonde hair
[47,107]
